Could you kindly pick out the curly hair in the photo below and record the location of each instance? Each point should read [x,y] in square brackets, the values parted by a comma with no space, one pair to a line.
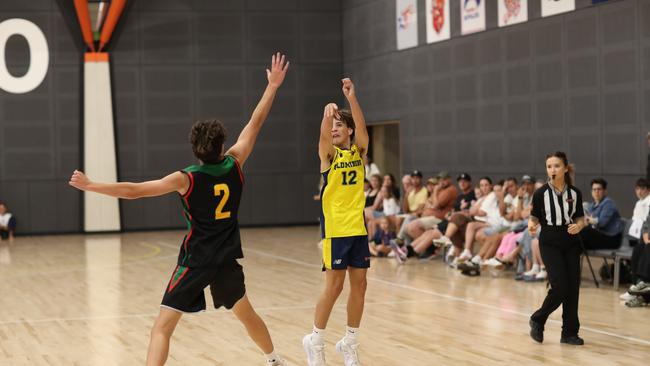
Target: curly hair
[207,138]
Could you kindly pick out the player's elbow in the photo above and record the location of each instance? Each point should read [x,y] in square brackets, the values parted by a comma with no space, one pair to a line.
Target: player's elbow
[131,193]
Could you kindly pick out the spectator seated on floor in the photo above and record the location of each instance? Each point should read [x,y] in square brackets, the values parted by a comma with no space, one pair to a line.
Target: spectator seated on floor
[7,224]
[379,245]
[438,205]
[453,236]
[605,229]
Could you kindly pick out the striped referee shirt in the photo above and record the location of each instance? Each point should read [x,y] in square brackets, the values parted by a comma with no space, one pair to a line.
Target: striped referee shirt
[553,208]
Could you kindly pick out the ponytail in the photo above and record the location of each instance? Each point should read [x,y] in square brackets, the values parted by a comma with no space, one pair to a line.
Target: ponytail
[570,175]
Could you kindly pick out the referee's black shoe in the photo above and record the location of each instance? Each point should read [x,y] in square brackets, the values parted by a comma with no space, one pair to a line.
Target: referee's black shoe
[573,340]
[536,331]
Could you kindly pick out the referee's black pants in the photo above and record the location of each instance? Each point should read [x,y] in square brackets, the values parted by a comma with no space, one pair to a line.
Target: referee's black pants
[561,255]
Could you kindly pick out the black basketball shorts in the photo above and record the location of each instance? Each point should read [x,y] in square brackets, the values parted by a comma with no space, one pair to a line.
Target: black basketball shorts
[184,292]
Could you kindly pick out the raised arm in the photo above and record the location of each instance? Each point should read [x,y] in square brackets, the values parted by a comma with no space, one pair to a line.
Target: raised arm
[175,182]
[361,138]
[325,148]
[244,145]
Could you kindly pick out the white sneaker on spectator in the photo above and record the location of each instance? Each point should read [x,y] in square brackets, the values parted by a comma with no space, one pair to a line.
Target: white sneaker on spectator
[640,286]
[465,256]
[495,263]
[400,256]
[315,352]
[349,351]
[532,272]
[626,296]
[477,259]
[450,255]
[541,275]
[390,254]
[443,241]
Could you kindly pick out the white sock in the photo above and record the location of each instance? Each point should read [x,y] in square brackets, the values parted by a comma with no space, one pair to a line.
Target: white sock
[271,357]
[535,268]
[476,259]
[351,335]
[466,253]
[318,335]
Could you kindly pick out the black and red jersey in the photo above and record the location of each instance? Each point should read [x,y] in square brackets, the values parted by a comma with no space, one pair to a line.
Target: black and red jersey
[210,207]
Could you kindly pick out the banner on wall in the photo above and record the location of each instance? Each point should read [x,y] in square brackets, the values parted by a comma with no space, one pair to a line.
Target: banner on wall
[552,7]
[407,24]
[472,16]
[437,20]
[512,12]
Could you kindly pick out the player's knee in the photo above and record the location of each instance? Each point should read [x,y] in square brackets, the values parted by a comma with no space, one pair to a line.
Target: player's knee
[359,286]
[335,287]
[162,329]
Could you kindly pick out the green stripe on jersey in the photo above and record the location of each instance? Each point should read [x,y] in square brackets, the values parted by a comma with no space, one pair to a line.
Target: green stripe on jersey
[214,170]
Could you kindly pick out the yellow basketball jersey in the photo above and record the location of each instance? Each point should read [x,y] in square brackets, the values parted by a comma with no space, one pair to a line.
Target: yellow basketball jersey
[342,197]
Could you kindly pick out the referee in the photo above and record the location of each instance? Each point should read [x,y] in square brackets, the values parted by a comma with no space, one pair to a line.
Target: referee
[557,207]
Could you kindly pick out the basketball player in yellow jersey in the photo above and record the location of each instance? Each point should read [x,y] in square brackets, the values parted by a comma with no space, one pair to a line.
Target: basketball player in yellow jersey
[342,147]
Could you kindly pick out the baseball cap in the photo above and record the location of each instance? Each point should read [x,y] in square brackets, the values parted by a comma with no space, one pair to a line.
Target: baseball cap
[432,180]
[464,176]
[443,174]
[416,173]
[527,179]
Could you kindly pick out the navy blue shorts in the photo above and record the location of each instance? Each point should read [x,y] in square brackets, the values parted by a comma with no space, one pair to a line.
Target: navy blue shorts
[350,251]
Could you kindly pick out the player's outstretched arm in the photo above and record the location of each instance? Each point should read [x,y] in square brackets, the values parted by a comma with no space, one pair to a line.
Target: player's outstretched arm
[361,138]
[175,182]
[325,147]
[244,145]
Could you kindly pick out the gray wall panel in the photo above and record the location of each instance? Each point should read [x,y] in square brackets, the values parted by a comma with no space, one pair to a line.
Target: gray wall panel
[576,81]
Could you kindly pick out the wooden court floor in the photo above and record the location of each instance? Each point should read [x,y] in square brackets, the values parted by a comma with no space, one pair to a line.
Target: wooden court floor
[91,300]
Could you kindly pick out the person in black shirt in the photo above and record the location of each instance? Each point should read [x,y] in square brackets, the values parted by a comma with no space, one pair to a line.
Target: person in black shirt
[557,207]
[210,194]
[466,195]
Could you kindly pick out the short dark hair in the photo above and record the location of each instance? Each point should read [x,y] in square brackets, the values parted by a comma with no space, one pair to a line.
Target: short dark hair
[600,181]
[345,116]
[641,183]
[207,138]
[486,178]
[512,179]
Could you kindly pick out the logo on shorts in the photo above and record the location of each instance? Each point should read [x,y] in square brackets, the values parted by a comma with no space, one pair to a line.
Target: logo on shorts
[338,261]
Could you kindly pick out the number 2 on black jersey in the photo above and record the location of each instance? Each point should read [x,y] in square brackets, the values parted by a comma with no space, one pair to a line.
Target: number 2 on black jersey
[218,190]
[352,175]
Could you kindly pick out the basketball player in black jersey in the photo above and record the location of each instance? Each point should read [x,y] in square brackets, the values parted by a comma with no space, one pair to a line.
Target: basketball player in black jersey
[210,194]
